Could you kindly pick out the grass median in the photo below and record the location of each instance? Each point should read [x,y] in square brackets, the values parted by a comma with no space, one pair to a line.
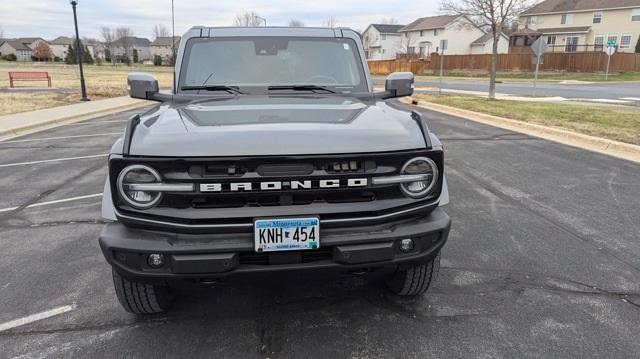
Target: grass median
[102,82]
[616,123]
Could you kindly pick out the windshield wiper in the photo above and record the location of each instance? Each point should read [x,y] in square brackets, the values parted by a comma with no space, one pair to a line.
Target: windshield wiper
[301,88]
[229,89]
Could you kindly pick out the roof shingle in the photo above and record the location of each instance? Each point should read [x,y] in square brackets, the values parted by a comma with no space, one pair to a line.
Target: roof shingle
[554,6]
[386,28]
[429,23]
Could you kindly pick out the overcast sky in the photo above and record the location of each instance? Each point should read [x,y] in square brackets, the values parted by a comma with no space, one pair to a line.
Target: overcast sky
[51,18]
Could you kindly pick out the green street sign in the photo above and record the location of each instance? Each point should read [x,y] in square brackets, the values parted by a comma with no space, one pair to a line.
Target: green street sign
[611,43]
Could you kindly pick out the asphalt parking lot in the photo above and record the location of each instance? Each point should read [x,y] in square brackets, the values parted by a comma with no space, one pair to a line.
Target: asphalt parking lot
[543,261]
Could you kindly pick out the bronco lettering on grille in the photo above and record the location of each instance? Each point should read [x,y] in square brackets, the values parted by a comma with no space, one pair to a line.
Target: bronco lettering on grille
[280,185]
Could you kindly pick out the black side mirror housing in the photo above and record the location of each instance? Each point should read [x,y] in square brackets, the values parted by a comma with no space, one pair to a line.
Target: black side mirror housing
[143,86]
[399,84]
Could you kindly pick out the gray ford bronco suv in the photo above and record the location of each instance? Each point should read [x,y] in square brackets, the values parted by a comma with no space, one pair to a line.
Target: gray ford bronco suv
[272,155]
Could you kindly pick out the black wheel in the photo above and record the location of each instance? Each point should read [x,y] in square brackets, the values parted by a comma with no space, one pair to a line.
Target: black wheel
[415,280]
[141,298]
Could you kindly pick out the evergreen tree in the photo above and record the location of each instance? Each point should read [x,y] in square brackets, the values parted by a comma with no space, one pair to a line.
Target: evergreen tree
[638,47]
[135,56]
[86,56]
[70,58]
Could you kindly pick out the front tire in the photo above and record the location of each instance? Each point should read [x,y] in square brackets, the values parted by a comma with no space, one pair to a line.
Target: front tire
[139,298]
[416,280]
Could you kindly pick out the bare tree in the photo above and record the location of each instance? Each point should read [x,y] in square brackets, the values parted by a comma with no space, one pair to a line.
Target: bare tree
[124,37]
[248,19]
[1,33]
[296,23]
[408,42]
[160,30]
[108,37]
[330,22]
[389,21]
[491,16]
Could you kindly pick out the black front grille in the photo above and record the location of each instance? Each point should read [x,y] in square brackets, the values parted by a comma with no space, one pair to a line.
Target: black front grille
[241,206]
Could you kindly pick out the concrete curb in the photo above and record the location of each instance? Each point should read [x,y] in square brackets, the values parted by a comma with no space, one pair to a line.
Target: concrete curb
[604,146]
[8,131]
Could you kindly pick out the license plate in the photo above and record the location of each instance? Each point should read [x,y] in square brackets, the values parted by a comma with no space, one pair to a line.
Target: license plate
[287,234]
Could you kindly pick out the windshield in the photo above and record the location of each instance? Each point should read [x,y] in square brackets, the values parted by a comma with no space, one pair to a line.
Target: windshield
[246,62]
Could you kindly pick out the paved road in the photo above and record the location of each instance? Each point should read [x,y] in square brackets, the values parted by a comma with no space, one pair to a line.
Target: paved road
[595,91]
[543,261]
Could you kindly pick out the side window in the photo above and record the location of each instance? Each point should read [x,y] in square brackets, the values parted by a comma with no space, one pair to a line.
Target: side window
[435,32]
[625,41]
[597,17]
[635,15]
[566,19]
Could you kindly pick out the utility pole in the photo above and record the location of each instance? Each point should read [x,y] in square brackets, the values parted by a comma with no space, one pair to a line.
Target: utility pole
[83,88]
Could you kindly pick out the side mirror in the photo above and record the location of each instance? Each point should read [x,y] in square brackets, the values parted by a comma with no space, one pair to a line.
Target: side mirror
[399,84]
[142,85]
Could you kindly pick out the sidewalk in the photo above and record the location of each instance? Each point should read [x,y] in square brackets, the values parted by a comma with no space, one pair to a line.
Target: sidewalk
[28,122]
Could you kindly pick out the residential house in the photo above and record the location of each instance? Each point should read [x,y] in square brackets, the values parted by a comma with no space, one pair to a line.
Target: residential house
[163,47]
[60,46]
[16,47]
[455,34]
[382,41]
[484,44]
[584,25]
[127,46]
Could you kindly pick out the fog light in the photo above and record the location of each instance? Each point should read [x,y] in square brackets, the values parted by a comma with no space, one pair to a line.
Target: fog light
[155,260]
[407,245]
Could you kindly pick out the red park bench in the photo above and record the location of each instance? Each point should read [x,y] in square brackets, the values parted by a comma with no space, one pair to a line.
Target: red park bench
[29,76]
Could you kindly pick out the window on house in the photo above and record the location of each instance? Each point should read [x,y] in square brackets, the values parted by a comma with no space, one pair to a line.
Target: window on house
[625,41]
[635,15]
[383,36]
[597,17]
[572,44]
[532,20]
[435,32]
[551,40]
[598,43]
[444,44]
[411,50]
[421,33]
[566,19]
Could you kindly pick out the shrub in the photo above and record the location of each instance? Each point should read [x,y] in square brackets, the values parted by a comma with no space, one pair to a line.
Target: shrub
[10,57]
[157,60]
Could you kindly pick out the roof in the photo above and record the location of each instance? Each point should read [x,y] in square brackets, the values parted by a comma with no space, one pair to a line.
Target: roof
[566,30]
[62,40]
[558,6]
[133,41]
[17,45]
[429,23]
[386,28]
[482,40]
[165,41]
[29,40]
[526,32]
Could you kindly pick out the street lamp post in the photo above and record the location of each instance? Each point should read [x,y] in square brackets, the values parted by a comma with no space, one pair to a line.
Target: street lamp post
[79,52]
[263,19]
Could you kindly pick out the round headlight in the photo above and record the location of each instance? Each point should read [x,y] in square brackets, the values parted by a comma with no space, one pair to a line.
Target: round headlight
[420,166]
[134,175]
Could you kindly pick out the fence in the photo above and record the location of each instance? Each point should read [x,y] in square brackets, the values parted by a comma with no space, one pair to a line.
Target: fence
[570,62]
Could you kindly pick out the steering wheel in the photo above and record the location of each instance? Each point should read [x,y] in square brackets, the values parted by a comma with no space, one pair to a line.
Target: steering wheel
[312,79]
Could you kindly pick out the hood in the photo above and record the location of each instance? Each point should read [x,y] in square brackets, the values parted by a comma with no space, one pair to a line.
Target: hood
[274,125]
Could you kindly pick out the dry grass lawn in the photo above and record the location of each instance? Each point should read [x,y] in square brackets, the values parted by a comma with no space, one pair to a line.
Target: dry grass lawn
[616,123]
[102,82]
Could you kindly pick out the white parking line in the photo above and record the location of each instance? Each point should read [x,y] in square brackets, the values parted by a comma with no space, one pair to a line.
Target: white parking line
[36,317]
[53,202]
[53,160]
[62,137]
[631,98]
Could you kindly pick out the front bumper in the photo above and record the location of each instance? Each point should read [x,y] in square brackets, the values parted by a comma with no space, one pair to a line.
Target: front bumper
[208,258]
